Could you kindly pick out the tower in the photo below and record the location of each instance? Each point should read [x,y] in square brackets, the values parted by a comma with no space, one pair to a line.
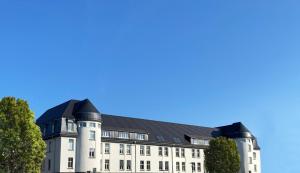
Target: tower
[88,148]
[247,146]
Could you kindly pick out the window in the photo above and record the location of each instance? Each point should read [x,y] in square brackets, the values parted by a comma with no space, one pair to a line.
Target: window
[49,147]
[128,165]
[198,153]
[160,151]
[160,165]
[106,165]
[199,167]
[92,153]
[193,167]
[142,150]
[92,124]
[140,136]
[71,144]
[49,165]
[183,166]
[105,133]
[82,124]
[199,141]
[128,151]
[148,166]
[255,168]
[121,165]
[166,165]
[250,160]
[193,153]
[99,126]
[94,170]
[52,127]
[249,148]
[43,165]
[70,162]
[166,151]
[123,135]
[177,152]
[141,165]
[121,148]
[182,152]
[148,150]
[254,155]
[92,135]
[107,148]
[70,127]
[177,166]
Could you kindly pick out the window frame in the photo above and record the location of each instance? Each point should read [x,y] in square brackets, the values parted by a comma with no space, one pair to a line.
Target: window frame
[71,144]
[106,148]
[106,165]
[142,165]
[70,162]
[92,135]
[92,153]
[121,165]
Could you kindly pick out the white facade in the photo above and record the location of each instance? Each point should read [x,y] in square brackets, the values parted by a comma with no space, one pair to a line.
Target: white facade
[87,153]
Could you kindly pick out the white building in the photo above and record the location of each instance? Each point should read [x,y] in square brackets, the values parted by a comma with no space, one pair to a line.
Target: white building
[81,139]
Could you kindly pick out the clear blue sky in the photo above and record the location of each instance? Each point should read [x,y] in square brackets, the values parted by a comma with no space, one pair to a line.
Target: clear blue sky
[207,63]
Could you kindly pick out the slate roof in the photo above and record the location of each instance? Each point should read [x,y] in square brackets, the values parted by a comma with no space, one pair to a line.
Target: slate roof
[158,132]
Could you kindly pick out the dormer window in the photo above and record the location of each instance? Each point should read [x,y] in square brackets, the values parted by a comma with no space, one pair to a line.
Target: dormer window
[123,135]
[199,141]
[140,136]
[105,133]
[70,126]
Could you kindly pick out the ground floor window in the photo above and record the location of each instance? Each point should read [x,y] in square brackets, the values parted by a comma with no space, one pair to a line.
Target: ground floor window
[121,165]
[92,153]
[106,165]
[49,164]
[166,165]
[141,165]
[128,165]
[193,166]
[183,166]
[70,162]
[199,167]
[148,166]
[160,163]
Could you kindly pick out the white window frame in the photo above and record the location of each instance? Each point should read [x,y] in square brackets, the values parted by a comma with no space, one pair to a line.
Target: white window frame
[106,148]
[71,144]
[70,162]
[92,135]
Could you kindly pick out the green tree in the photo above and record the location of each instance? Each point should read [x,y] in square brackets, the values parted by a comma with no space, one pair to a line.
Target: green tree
[22,148]
[222,156]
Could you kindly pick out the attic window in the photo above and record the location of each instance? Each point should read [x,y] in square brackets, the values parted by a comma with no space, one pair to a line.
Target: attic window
[70,126]
[199,141]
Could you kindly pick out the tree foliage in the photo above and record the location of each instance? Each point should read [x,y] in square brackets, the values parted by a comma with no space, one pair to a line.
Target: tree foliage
[21,146]
[222,156]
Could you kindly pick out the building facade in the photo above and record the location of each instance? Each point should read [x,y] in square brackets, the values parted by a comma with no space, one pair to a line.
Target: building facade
[81,139]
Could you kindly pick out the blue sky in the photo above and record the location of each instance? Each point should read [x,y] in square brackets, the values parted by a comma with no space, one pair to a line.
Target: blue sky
[207,63]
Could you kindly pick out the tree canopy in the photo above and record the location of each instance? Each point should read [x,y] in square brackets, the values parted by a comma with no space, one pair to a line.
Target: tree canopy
[222,156]
[22,148]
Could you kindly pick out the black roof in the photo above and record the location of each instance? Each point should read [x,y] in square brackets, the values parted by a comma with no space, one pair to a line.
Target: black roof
[235,130]
[85,106]
[158,132]
[72,109]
